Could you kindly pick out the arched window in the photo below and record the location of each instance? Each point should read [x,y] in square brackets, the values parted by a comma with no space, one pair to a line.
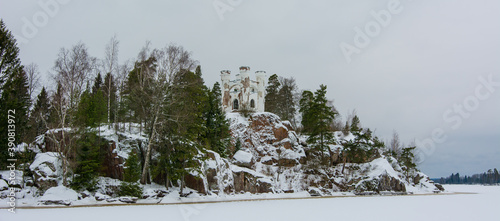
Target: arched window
[235,104]
[252,103]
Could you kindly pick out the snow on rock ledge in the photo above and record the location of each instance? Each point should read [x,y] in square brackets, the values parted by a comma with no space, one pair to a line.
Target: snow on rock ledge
[243,158]
[47,170]
[59,195]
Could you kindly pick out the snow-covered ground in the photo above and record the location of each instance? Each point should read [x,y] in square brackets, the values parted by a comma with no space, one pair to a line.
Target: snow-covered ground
[471,203]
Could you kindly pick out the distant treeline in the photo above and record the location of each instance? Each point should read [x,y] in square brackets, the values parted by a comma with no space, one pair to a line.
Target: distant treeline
[490,177]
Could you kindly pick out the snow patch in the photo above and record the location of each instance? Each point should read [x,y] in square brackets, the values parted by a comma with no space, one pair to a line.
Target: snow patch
[59,195]
[243,157]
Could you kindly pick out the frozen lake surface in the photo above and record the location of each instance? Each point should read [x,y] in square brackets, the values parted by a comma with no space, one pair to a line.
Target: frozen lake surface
[470,203]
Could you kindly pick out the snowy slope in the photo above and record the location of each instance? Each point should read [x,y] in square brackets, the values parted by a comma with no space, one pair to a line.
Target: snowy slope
[273,162]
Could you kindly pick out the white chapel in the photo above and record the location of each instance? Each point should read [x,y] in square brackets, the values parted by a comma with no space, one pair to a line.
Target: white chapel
[243,93]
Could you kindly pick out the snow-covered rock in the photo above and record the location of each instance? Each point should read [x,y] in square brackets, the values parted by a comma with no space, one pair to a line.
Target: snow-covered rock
[3,185]
[243,158]
[128,199]
[47,170]
[59,195]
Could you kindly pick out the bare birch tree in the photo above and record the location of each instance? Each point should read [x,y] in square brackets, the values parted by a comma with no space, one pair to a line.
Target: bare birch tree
[110,64]
[395,145]
[33,74]
[73,68]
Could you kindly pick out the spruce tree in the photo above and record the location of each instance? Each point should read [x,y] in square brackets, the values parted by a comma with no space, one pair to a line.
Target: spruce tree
[407,159]
[92,109]
[272,94]
[9,54]
[286,102]
[132,171]
[355,127]
[131,174]
[306,105]
[39,116]
[88,162]
[189,99]
[216,136]
[14,95]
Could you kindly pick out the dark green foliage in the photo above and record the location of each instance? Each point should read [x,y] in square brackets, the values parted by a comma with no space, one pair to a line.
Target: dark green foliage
[407,159]
[88,163]
[362,148]
[138,92]
[237,145]
[216,135]
[355,127]
[182,161]
[97,84]
[14,93]
[39,117]
[286,103]
[355,151]
[279,97]
[15,97]
[178,146]
[92,109]
[317,118]
[306,104]
[132,171]
[9,54]
[189,101]
[130,189]
[272,94]
[491,177]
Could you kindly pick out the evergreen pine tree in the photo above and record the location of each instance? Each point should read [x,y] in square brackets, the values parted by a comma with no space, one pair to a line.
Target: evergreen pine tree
[88,162]
[9,54]
[131,174]
[286,103]
[322,117]
[216,136]
[14,95]
[272,94]
[355,127]
[92,109]
[132,171]
[39,117]
[407,159]
[306,105]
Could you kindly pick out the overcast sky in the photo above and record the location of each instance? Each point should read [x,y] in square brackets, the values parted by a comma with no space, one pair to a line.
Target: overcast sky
[427,69]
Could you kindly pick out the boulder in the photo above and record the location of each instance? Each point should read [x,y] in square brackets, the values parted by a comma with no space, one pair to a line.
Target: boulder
[195,183]
[249,181]
[59,195]
[388,183]
[128,199]
[243,159]
[47,170]
[100,197]
[113,164]
[313,191]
